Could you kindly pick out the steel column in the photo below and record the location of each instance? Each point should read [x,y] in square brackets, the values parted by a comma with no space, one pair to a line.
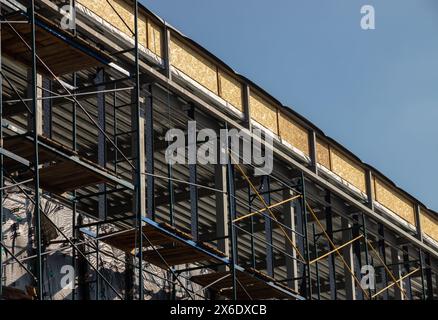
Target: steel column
[331,258]
[192,156]
[149,138]
[266,187]
[289,221]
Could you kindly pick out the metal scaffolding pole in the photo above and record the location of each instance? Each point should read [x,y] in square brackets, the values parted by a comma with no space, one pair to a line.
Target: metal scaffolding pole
[37,213]
[138,166]
[1,163]
[306,274]
[232,212]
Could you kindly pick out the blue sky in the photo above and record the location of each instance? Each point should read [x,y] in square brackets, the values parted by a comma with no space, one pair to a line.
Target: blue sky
[375,91]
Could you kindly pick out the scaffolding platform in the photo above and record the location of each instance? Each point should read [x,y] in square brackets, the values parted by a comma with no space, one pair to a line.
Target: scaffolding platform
[53,45]
[251,285]
[60,174]
[167,245]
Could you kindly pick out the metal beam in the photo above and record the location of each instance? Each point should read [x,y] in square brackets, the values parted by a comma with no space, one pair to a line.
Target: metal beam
[347,254]
[331,258]
[266,186]
[193,175]
[149,138]
[222,230]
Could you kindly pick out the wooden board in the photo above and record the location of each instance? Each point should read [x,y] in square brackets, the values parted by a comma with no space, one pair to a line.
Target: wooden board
[391,199]
[293,133]
[174,256]
[23,147]
[60,174]
[120,15]
[68,176]
[429,224]
[323,154]
[51,49]
[155,38]
[347,169]
[193,64]
[174,251]
[263,112]
[230,89]
[256,287]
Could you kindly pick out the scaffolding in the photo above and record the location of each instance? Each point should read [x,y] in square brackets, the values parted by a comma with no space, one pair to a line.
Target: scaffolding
[83,118]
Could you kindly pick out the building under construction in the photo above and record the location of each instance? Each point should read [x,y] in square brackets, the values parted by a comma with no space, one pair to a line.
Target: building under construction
[91,209]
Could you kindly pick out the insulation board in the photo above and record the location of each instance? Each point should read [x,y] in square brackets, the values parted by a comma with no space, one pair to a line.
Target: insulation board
[263,112]
[230,90]
[347,169]
[323,153]
[193,64]
[429,224]
[293,133]
[395,202]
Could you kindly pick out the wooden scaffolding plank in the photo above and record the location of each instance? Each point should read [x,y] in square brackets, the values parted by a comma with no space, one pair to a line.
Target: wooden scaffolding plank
[253,286]
[172,250]
[59,174]
[61,52]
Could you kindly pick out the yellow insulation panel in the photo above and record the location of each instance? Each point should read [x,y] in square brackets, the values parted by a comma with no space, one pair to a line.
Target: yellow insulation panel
[323,154]
[395,202]
[193,64]
[263,112]
[347,169]
[429,224]
[150,35]
[293,133]
[230,89]
[106,12]
[155,38]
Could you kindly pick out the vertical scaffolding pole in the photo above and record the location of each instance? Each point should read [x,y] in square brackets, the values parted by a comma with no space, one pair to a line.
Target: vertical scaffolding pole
[1,164]
[74,204]
[315,249]
[365,237]
[37,213]
[138,173]
[357,252]
[101,155]
[428,277]
[382,252]
[407,267]
[268,227]
[251,228]
[232,212]
[306,274]
[332,257]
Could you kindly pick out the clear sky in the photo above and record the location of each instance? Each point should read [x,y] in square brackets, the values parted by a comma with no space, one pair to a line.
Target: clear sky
[374,91]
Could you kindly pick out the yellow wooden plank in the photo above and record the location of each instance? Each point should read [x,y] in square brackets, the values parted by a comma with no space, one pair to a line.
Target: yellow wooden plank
[263,112]
[293,133]
[347,169]
[231,89]
[391,199]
